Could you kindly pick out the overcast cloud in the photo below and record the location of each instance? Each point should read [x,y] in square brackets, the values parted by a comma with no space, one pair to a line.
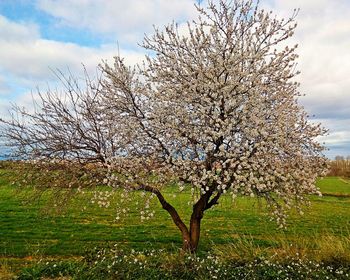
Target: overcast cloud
[36,36]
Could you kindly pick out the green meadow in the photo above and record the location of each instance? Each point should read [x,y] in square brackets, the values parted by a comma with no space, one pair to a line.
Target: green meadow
[31,230]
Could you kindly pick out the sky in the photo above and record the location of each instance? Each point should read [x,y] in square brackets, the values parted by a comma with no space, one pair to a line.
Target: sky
[38,37]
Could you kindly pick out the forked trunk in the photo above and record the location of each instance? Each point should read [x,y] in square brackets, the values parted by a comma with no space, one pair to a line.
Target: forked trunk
[190,237]
[195,222]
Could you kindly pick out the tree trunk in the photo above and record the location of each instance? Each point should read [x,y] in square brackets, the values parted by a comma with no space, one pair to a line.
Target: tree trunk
[195,229]
[190,237]
[186,243]
[190,241]
[195,222]
[195,226]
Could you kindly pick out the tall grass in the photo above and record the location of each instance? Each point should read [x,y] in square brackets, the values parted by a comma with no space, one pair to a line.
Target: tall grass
[115,263]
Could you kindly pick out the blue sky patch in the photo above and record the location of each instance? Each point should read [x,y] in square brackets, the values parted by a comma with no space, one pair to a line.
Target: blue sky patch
[50,27]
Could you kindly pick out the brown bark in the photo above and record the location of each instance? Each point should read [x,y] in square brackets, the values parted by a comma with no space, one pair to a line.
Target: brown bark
[202,204]
[174,215]
[195,229]
[195,222]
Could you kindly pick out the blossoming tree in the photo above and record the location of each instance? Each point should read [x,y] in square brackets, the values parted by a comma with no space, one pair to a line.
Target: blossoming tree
[214,108]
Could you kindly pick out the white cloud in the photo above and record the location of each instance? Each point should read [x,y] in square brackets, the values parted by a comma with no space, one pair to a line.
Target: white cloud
[27,62]
[125,20]
[27,58]
[31,56]
[338,138]
[17,32]
[4,87]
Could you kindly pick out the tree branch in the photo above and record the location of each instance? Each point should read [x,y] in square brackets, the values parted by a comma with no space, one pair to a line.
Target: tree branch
[168,207]
[213,201]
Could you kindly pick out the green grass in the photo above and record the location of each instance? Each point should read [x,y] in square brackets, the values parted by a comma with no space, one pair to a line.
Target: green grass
[334,185]
[27,231]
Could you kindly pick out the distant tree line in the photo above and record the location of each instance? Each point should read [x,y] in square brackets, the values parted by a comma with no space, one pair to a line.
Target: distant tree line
[340,166]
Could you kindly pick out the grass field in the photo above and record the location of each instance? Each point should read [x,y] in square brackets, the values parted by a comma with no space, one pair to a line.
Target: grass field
[334,186]
[27,232]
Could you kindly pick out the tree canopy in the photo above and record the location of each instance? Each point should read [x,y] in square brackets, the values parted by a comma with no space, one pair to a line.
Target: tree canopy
[214,109]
